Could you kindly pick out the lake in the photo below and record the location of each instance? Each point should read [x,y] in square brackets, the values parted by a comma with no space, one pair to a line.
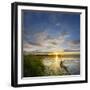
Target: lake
[46,65]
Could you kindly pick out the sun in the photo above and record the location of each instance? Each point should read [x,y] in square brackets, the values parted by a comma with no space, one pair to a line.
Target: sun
[56,56]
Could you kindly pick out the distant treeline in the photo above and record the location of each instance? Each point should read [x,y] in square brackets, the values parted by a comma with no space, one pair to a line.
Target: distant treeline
[61,56]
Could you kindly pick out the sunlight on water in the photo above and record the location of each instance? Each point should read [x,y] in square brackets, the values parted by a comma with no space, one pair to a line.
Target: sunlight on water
[53,65]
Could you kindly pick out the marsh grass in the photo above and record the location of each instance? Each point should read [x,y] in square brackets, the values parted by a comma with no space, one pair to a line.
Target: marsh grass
[33,66]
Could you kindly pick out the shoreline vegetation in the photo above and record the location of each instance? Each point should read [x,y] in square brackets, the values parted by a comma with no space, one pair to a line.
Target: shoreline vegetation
[51,64]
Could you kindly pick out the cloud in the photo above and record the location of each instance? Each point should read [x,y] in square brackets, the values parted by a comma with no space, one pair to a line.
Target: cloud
[40,37]
[74,43]
[36,39]
[44,42]
[58,24]
[41,42]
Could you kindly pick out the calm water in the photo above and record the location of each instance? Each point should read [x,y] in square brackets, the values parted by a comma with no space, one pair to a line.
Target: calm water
[64,66]
[51,65]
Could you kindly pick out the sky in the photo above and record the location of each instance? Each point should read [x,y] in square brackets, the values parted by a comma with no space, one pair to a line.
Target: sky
[45,31]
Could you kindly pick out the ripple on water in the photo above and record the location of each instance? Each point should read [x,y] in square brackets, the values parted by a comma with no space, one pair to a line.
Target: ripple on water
[73,66]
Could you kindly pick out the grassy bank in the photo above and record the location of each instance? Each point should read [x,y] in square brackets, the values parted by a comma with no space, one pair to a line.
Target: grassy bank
[33,66]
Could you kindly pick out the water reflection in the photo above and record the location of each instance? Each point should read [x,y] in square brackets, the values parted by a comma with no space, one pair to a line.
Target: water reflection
[61,66]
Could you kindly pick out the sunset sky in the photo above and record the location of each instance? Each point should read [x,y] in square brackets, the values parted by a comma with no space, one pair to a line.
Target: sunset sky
[50,31]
